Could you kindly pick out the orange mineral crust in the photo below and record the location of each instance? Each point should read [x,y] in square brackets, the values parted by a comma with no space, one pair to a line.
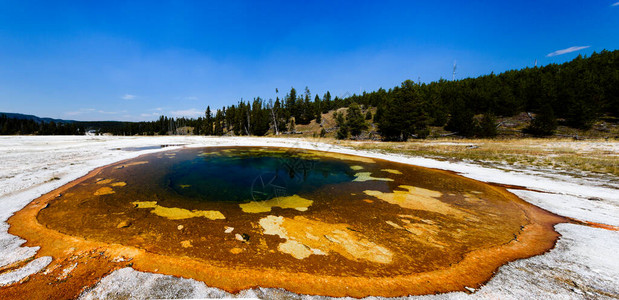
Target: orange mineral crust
[375,228]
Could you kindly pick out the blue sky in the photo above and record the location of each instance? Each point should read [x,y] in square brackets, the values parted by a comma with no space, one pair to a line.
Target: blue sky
[136,60]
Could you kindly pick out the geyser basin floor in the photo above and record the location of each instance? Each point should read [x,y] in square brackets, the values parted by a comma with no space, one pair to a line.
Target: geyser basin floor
[310,222]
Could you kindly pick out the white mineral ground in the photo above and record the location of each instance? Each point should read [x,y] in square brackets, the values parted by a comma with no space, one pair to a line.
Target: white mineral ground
[584,264]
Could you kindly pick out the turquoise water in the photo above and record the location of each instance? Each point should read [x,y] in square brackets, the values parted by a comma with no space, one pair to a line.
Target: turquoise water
[243,175]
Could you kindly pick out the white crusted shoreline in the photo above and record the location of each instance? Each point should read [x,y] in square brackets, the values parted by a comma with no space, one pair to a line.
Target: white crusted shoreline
[584,264]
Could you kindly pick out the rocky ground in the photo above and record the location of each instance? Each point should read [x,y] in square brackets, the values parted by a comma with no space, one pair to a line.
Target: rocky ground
[583,265]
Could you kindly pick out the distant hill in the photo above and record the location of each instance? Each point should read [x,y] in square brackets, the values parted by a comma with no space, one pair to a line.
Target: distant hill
[104,126]
[15,123]
[34,118]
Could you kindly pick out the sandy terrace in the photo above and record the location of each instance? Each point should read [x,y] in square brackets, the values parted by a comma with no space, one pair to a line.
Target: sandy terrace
[583,264]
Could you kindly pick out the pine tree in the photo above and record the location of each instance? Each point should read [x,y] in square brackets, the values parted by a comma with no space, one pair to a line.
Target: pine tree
[340,121]
[219,118]
[342,133]
[326,102]
[291,106]
[402,115]
[544,123]
[462,120]
[354,120]
[260,120]
[487,126]
[305,109]
[208,122]
[318,109]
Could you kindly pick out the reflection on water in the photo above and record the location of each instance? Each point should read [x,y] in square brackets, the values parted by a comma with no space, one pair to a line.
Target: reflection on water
[245,175]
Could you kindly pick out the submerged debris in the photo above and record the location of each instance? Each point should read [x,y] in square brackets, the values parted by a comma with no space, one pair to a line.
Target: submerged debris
[243,237]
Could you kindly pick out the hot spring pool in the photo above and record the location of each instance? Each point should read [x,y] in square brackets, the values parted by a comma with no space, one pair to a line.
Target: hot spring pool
[309,221]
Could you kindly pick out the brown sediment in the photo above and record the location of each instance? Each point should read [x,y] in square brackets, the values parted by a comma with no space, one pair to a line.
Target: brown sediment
[16,265]
[514,187]
[56,282]
[97,257]
[134,163]
[594,224]
[341,156]
[572,220]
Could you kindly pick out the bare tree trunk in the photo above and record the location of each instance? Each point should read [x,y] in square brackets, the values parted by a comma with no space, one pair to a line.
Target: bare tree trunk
[274,120]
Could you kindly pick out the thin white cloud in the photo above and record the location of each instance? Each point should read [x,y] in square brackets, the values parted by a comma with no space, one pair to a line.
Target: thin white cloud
[111,112]
[73,113]
[191,98]
[128,97]
[150,115]
[567,50]
[79,112]
[192,113]
[615,4]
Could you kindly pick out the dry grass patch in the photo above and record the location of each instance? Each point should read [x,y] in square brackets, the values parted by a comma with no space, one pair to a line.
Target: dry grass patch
[597,156]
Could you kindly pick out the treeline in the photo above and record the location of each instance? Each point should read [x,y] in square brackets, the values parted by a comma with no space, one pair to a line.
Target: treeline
[576,94]
[13,126]
[259,116]
[162,126]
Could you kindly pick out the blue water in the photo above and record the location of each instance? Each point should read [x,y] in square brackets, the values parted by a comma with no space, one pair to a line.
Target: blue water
[241,176]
